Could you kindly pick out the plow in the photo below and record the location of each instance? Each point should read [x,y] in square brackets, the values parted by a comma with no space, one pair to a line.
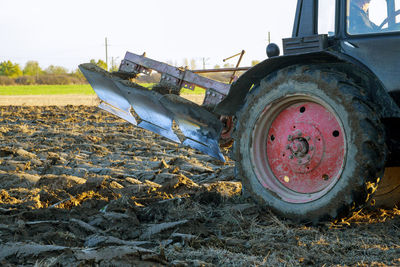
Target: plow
[158,108]
[313,129]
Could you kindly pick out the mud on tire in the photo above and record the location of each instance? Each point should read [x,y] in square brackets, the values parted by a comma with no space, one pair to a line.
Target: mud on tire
[326,167]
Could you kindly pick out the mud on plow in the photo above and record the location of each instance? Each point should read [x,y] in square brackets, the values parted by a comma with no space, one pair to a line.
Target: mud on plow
[158,108]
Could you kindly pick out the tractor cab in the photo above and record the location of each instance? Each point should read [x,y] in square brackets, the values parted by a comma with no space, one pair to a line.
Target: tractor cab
[345,18]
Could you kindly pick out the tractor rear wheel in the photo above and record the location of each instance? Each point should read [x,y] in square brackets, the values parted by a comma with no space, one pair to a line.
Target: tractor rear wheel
[387,196]
[307,144]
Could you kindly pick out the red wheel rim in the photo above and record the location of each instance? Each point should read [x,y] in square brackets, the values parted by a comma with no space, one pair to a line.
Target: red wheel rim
[298,148]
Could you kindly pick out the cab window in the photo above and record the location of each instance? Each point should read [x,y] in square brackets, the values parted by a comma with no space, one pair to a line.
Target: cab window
[372,16]
[326,17]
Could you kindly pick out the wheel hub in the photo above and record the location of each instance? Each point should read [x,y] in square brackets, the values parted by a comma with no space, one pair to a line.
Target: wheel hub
[305,148]
[304,152]
[299,147]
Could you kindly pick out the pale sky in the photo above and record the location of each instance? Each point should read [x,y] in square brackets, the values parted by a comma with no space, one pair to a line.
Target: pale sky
[67,33]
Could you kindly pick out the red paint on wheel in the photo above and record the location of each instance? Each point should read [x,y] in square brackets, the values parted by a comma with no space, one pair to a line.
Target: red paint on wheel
[305,147]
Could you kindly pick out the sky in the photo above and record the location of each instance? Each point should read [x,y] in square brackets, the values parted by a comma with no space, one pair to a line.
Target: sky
[67,33]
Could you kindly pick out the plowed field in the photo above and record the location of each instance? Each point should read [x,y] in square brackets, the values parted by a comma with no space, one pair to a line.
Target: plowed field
[81,187]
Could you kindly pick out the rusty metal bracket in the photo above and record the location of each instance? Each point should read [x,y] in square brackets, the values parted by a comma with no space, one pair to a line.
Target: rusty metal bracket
[133,68]
[212,98]
[174,77]
[234,77]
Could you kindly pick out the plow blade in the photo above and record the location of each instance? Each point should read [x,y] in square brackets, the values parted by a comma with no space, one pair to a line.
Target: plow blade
[111,98]
[154,117]
[155,112]
[201,127]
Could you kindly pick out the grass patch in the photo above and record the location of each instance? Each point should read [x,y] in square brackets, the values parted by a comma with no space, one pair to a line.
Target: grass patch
[79,89]
[197,91]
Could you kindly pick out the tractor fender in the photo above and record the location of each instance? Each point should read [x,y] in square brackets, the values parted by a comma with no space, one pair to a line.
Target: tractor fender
[385,105]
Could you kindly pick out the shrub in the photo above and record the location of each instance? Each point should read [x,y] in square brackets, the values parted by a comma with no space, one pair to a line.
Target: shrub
[26,80]
[77,80]
[53,79]
[4,80]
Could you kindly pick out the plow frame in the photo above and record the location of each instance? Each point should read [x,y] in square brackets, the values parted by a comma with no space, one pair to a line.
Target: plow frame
[176,78]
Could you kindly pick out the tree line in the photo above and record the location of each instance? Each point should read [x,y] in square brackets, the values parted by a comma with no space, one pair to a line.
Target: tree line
[12,74]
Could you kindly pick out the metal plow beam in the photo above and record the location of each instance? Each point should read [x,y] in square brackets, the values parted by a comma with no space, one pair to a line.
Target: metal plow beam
[156,112]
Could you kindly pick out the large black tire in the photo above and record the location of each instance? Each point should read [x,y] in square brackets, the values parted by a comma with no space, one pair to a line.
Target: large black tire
[387,196]
[360,157]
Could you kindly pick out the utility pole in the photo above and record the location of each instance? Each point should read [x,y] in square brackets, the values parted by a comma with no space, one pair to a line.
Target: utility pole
[204,62]
[106,55]
[269,37]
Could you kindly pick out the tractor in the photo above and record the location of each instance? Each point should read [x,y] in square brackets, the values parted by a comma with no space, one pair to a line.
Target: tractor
[314,129]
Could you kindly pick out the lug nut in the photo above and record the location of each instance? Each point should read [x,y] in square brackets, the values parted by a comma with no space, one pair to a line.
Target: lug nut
[290,138]
[299,133]
[299,161]
[290,156]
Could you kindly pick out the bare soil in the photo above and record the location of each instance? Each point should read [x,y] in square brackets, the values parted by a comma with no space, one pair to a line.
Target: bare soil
[80,187]
[64,100]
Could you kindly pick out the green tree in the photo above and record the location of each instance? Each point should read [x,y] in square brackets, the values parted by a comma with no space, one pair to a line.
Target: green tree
[7,68]
[254,62]
[100,63]
[77,73]
[32,68]
[56,70]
